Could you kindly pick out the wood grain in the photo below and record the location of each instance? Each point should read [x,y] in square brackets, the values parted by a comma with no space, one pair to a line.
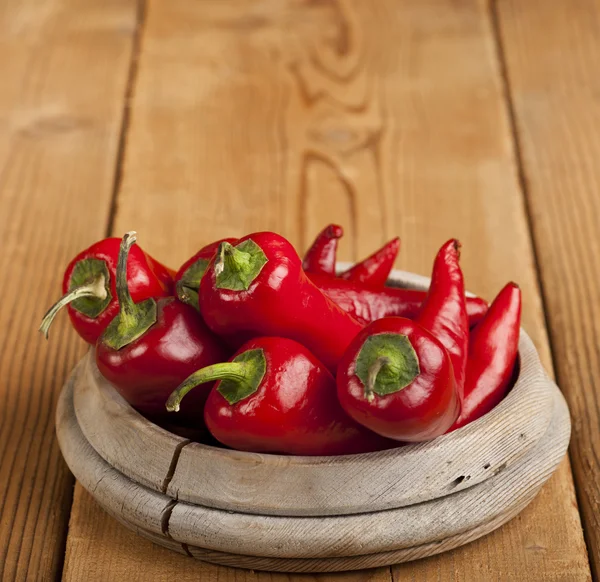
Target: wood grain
[314,486]
[58,148]
[354,562]
[394,529]
[131,444]
[313,544]
[552,73]
[272,485]
[289,115]
[131,502]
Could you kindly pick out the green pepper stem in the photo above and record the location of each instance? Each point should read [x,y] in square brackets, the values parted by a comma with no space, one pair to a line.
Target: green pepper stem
[239,379]
[95,287]
[133,319]
[127,309]
[236,371]
[374,370]
[231,259]
[220,260]
[237,267]
[386,364]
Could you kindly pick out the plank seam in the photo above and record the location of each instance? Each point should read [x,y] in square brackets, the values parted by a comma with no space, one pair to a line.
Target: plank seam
[126,116]
[508,99]
[125,120]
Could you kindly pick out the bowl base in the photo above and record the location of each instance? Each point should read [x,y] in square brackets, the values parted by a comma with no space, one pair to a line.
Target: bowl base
[320,544]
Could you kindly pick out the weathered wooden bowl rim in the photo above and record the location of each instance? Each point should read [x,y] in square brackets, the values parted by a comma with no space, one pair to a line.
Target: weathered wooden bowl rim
[384,535]
[526,410]
[525,345]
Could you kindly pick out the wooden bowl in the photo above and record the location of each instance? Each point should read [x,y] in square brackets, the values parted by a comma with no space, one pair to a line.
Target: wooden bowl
[314,514]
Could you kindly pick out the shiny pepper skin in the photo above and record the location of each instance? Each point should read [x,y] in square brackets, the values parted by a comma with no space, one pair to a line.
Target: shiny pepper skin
[152,346]
[187,279]
[493,348]
[274,396]
[444,310]
[367,304]
[320,257]
[148,369]
[94,269]
[375,269]
[397,380]
[258,288]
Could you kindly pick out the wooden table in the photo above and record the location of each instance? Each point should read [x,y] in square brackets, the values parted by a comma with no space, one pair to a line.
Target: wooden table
[191,120]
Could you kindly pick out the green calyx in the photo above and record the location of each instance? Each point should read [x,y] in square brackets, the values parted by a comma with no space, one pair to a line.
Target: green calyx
[237,267]
[133,319]
[239,378]
[254,366]
[386,364]
[121,331]
[187,287]
[89,292]
[84,273]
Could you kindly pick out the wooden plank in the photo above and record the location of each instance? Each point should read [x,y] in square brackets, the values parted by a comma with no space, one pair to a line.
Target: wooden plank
[552,54]
[64,72]
[280,115]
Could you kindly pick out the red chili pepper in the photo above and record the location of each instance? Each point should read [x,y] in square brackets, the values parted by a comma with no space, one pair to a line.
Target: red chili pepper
[259,288]
[187,279]
[397,380]
[444,311]
[274,396]
[90,292]
[368,304]
[151,347]
[493,347]
[375,269]
[320,257]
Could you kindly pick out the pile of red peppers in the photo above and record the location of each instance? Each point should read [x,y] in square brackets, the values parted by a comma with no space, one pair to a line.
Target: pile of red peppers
[267,352]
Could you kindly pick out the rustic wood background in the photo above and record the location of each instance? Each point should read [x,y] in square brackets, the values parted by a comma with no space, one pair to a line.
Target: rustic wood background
[191,120]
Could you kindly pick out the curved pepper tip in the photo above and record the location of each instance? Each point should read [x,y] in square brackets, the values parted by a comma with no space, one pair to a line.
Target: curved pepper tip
[455,244]
[334,231]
